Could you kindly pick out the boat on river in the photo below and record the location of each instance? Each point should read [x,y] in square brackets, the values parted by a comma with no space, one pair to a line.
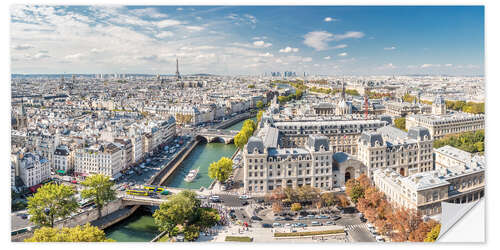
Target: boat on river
[191,175]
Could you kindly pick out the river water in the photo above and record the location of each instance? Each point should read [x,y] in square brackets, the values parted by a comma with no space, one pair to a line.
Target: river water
[140,226]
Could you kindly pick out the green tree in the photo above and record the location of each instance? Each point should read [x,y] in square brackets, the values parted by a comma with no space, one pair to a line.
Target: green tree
[354,190]
[296,207]
[98,188]
[400,123]
[259,115]
[240,140]
[86,233]
[221,170]
[433,234]
[51,202]
[208,217]
[191,232]
[180,209]
[260,104]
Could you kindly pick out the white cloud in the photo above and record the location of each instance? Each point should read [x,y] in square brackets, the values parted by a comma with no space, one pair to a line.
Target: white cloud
[96,50]
[41,55]
[289,49]
[390,48]
[387,66]
[307,59]
[164,34]
[342,54]
[195,28]
[340,46]
[448,65]
[266,55]
[167,23]
[327,57]
[148,12]
[330,19]
[23,47]
[427,65]
[319,39]
[262,44]
[74,56]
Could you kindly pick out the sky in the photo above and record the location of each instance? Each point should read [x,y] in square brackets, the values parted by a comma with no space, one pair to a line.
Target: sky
[247,40]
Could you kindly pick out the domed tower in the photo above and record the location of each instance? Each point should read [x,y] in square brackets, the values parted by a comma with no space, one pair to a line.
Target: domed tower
[439,106]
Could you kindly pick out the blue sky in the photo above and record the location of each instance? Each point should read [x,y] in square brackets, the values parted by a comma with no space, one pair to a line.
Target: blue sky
[333,40]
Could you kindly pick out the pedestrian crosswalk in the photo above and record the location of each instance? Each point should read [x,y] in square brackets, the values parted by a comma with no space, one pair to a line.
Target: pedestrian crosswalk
[357,227]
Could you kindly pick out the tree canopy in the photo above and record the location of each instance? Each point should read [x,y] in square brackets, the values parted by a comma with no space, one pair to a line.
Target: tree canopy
[51,202]
[471,142]
[183,209]
[400,123]
[221,170]
[98,188]
[260,104]
[86,233]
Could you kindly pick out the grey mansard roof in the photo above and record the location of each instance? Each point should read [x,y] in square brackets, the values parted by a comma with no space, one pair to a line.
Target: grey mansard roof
[255,142]
[418,133]
[316,141]
[371,138]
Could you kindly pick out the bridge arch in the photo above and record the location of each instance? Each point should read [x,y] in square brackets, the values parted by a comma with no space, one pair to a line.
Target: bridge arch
[201,138]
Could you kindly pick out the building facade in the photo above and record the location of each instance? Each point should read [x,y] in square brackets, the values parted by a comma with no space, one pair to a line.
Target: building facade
[392,148]
[34,169]
[442,125]
[99,159]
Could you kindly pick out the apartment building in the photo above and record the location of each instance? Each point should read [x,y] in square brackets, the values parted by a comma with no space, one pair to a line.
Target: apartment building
[392,148]
[99,159]
[34,169]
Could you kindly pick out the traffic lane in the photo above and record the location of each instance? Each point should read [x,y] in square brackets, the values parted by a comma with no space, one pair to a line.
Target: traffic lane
[18,222]
[229,200]
[360,233]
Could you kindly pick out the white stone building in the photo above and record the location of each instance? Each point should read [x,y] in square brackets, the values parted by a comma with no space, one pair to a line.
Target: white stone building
[34,169]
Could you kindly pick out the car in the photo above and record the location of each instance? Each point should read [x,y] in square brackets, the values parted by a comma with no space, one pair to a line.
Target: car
[24,216]
[244,197]
[336,217]
[302,218]
[296,225]
[265,225]
[278,218]
[257,218]
[287,218]
[244,203]
[324,217]
[276,224]
[215,198]
[310,216]
[330,223]
[316,223]
[288,225]
[302,224]
[201,197]
[362,219]
[379,239]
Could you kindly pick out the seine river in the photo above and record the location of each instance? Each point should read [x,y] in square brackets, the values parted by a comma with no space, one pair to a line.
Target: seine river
[140,226]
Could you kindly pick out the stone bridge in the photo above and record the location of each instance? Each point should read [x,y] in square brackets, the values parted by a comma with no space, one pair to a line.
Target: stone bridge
[132,200]
[217,135]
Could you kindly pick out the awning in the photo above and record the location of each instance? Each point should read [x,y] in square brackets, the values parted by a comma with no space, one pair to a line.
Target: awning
[61,171]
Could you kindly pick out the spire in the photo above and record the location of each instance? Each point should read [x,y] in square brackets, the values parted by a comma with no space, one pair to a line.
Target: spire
[177,74]
[343,90]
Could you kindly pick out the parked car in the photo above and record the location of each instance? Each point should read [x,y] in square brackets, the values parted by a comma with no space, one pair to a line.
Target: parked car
[265,225]
[316,223]
[201,197]
[244,203]
[276,224]
[310,216]
[257,218]
[330,223]
[324,217]
[278,218]
[336,217]
[287,218]
[244,197]
[302,218]
[380,239]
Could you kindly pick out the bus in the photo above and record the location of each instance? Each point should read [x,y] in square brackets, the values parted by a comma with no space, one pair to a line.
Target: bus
[142,192]
[156,189]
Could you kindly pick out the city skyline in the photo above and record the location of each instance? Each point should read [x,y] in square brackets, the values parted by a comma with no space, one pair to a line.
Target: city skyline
[239,40]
